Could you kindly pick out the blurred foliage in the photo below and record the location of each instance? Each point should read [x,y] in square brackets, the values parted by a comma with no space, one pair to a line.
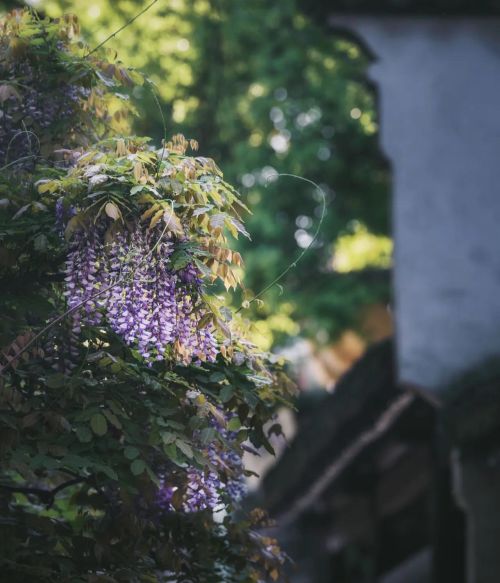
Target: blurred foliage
[361,249]
[266,91]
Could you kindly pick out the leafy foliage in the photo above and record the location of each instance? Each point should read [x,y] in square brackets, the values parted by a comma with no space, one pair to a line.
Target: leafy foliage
[51,88]
[104,452]
[267,91]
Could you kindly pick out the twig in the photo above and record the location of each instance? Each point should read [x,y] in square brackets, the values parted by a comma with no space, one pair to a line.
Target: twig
[128,23]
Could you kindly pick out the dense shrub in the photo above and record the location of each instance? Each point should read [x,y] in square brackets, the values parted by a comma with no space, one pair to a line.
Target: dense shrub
[128,391]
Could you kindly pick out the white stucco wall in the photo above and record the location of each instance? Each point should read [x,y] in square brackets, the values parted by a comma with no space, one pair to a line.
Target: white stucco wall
[439,88]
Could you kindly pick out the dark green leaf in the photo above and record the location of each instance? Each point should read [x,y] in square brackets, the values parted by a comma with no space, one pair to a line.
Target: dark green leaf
[137,467]
[84,434]
[131,452]
[99,424]
[226,393]
[185,448]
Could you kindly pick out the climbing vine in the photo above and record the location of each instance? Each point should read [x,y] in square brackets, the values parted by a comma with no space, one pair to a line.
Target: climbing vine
[128,392]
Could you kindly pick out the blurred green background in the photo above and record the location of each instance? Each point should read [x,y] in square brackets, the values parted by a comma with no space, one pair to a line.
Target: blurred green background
[266,91]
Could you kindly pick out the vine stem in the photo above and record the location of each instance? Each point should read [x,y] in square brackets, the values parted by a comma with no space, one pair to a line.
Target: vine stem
[14,162]
[69,311]
[164,124]
[128,23]
[294,263]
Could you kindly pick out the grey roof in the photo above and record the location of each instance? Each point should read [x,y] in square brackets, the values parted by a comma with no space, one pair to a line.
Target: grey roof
[443,8]
[360,398]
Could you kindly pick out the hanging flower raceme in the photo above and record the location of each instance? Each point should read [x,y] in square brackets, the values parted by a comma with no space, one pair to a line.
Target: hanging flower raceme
[147,232]
[213,487]
[130,282]
[202,491]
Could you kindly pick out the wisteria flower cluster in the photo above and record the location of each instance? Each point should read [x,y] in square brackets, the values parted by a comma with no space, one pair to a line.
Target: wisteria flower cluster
[147,234]
[205,490]
[202,490]
[131,284]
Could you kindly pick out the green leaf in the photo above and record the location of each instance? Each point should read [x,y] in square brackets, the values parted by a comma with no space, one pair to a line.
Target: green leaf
[234,424]
[84,434]
[202,267]
[216,377]
[217,220]
[153,477]
[226,393]
[168,437]
[105,361]
[197,422]
[207,435]
[185,448]
[40,242]
[99,424]
[171,451]
[200,458]
[107,471]
[131,452]
[174,424]
[117,410]
[116,367]
[239,226]
[251,398]
[242,436]
[74,224]
[180,259]
[113,419]
[137,467]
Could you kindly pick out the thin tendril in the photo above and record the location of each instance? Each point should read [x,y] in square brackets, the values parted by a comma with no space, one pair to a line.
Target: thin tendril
[128,23]
[16,135]
[303,252]
[164,123]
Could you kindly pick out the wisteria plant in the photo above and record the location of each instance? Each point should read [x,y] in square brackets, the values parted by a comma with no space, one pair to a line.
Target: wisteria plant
[128,392]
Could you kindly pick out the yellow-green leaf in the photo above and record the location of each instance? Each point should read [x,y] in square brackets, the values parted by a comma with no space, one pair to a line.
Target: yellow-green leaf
[112,211]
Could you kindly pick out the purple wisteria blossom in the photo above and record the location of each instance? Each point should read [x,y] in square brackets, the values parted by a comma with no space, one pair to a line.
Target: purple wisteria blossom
[63,214]
[214,487]
[130,282]
[83,279]
[202,491]
[164,496]
[190,274]
[231,460]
